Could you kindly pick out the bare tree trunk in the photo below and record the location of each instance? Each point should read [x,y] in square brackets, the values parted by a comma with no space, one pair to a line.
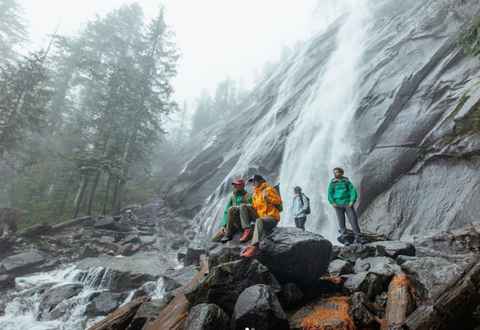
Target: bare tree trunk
[105,199]
[121,318]
[65,196]
[117,202]
[88,210]
[400,301]
[79,199]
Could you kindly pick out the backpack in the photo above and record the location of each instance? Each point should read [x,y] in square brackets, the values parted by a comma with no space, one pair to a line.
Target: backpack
[345,181]
[308,199]
[277,189]
[244,198]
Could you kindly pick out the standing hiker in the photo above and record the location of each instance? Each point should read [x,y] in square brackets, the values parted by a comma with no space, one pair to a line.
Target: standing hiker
[264,213]
[342,195]
[300,207]
[231,218]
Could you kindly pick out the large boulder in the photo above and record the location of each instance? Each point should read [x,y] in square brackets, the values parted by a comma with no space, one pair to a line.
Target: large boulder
[28,262]
[340,267]
[365,282]
[226,282]
[393,249]
[258,307]
[295,256]
[429,274]
[176,278]
[58,294]
[6,282]
[220,253]
[105,303]
[123,273]
[207,317]
[194,250]
[383,267]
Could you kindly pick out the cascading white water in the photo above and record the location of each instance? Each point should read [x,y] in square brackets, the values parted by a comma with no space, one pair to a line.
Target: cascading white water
[23,308]
[320,140]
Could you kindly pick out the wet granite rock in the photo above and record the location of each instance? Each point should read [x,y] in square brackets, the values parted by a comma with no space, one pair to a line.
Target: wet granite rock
[207,317]
[258,307]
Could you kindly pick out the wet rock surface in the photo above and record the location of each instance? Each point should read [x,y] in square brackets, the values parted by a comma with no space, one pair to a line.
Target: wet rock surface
[226,282]
[207,317]
[258,307]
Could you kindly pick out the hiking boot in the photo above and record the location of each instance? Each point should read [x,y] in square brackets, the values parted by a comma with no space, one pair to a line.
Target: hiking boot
[226,238]
[359,240]
[346,242]
[250,253]
[247,234]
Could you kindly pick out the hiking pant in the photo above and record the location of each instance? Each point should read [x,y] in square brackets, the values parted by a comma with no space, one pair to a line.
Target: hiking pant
[218,236]
[248,214]
[341,209]
[236,222]
[300,222]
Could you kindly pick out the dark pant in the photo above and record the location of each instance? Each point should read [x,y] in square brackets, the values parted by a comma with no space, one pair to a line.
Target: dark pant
[352,218]
[300,222]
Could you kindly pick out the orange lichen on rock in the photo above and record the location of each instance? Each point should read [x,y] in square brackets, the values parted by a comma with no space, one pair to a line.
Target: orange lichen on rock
[332,315]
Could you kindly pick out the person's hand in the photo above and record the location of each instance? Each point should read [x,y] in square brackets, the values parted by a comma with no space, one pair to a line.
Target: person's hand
[234,208]
[351,204]
[251,205]
[223,230]
[335,205]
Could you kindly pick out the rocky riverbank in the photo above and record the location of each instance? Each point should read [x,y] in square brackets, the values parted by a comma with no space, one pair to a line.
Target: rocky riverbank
[151,257]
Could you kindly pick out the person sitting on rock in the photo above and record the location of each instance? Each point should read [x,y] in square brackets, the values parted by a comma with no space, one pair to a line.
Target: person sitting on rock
[231,219]
[264,213]
[300,207]
[342,195]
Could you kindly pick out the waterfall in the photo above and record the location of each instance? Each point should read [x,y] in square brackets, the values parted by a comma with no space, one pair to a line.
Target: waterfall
[320,139]
[24,309]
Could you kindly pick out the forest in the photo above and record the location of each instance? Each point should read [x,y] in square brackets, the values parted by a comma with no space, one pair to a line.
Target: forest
[82,121]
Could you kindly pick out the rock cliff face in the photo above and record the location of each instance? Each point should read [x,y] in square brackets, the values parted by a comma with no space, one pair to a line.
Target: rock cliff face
[384,92]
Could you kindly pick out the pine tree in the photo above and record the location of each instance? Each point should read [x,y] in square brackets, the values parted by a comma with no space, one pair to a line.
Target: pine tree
[13,29]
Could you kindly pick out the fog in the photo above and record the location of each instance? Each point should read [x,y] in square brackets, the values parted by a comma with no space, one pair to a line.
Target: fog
[216,38]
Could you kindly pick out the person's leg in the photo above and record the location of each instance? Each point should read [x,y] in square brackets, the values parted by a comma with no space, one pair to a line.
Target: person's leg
[352,218]
[340,211]
[233,222]
[218,235]
[260,226]
[247,215]
[296,223]
[301,222]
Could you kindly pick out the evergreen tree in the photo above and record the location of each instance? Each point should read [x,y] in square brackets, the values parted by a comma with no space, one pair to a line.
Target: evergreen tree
[13,30]
[23,113]
[203,116]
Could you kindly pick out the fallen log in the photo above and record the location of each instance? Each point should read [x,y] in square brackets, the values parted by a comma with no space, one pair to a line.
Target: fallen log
[121,318]
[37,230]
[400,302]
[70,223]
[450,307]
[174,315]
[367,237]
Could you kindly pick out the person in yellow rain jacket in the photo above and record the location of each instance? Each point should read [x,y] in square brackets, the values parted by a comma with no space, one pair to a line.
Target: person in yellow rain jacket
[263,212]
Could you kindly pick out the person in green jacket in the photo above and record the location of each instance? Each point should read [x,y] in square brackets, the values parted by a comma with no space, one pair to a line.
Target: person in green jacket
[231,219]
[342,195]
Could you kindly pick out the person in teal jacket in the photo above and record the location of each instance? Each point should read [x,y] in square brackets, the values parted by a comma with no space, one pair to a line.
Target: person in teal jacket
[342,195]
[231,219]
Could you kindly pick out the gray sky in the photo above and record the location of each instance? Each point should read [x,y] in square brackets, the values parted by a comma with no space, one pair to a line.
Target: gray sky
[216,37]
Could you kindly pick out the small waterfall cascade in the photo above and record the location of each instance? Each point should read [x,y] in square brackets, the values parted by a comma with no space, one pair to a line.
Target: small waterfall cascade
[319,140]
[24,308]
